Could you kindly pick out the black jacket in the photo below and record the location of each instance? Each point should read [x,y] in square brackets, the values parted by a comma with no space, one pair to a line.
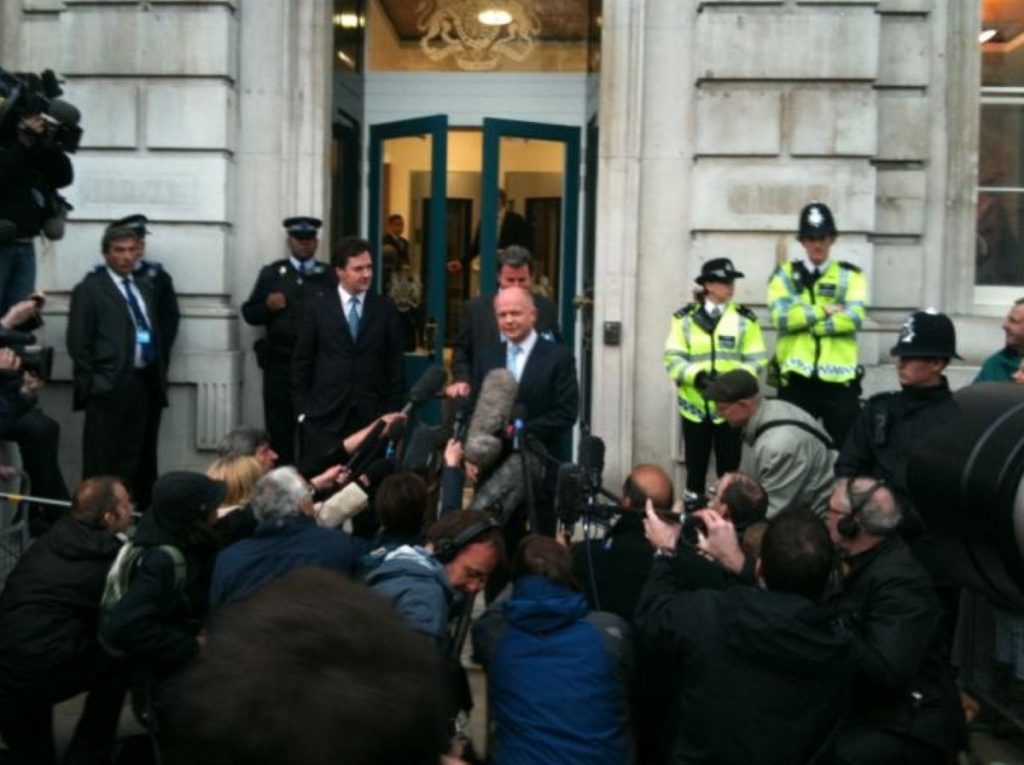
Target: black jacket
[281,276]
[547,388]
[764,677]
[889,605]
[619,563]
[50,605]
[480,329]
[335,379]
[28,176]
[889,425]
[165,299]
[155,621]
[101,337]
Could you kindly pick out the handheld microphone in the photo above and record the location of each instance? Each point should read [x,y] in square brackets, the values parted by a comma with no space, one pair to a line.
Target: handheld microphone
[463,411]
[425,388]
[591,459]
[505,490]
[490,418]
[362,452]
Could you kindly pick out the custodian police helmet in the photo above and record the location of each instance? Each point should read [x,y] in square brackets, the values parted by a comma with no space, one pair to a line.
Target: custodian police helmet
[816,220]
[927,334]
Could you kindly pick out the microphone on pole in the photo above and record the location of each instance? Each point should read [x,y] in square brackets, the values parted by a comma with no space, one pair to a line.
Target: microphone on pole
[490,418]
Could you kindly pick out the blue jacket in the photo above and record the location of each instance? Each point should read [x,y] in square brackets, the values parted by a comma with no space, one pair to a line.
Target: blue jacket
[557,677]
[277,547]
[414,582]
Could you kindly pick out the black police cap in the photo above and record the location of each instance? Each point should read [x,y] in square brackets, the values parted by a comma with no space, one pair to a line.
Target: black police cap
[817,220]
[736,385]
[136,223]
[718,270]
[303,227]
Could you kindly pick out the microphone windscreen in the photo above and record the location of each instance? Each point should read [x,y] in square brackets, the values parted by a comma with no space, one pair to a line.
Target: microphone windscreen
[53,228]
[64,112]
[505,490]
[591,456]
[337,509]
[483,449]
[429,384]
[493,404]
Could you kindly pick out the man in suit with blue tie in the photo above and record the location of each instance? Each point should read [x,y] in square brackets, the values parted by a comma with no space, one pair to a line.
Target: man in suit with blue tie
[347,364]
[546,374]
[119,367]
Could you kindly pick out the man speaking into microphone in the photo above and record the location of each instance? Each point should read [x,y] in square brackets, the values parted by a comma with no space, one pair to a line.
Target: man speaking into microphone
[547,392]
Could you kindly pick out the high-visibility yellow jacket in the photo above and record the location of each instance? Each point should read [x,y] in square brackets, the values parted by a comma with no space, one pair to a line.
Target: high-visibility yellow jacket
[812,343]
[697,344]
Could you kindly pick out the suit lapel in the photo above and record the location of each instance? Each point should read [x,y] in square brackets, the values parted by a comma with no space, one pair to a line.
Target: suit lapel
[339,317]
[115,293]
[533,362]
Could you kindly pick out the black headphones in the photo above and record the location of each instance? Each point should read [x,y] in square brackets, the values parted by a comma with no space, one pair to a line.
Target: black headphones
[848,526]
[447,548]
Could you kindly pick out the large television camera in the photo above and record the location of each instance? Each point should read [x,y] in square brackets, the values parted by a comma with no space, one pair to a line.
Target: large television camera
[27,94]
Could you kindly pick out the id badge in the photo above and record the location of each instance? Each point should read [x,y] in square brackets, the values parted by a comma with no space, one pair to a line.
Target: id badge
[142,336]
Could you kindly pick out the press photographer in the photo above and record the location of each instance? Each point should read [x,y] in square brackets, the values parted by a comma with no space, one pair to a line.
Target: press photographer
[37,131]
[23,371]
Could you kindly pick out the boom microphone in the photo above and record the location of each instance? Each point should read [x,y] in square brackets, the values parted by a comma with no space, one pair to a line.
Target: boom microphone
[425,388]
[504,491]
[490,417]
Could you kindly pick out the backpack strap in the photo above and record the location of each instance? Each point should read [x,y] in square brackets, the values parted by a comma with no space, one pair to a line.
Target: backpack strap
[798,424]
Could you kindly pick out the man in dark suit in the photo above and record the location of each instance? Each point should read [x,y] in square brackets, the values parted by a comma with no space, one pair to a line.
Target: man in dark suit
[394,250]
[480,328]
[347,365]
[167,316]
[119,367]
[548,389]
[277,302]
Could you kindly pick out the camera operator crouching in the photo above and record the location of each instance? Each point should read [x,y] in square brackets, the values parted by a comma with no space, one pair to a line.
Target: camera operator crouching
[23,371]
[34,139]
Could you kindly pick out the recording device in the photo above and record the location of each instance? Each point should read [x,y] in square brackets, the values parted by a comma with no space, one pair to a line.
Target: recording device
[35,359]
[28,94]
[505,489]
[425,388]
[693,527]
[491,415]
[463,412]
[966,480]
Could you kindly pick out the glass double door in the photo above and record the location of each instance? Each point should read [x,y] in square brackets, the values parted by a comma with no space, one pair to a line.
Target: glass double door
[507,183]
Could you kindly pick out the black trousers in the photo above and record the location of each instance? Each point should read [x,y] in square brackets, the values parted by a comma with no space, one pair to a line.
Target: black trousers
[115,433]
[837,405]
[699,438]
[278,412]
[26,719]
[38,438]
[866,746]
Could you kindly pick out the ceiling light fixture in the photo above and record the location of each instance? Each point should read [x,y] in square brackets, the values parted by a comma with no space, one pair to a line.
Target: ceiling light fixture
[494,17]
[986,35]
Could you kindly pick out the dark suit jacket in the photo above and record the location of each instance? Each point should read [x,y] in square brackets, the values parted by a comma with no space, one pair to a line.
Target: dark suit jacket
[336,381]
[548,388]
[101,337]
[480,329]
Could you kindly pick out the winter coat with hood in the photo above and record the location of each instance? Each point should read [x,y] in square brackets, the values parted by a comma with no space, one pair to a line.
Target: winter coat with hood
[557,676]
[414,582]
[765,676]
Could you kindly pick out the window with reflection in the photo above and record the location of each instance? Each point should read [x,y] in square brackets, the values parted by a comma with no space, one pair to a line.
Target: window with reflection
[1000,200]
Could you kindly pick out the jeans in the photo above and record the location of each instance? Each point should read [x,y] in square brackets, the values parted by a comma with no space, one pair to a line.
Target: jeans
[17,273]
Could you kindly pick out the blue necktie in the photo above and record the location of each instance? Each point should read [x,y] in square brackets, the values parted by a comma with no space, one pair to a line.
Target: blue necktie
[148,348]
[513,359]
[353,317]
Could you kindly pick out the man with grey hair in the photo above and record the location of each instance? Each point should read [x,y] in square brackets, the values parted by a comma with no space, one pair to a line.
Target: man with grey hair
[480,328]
[286,538]
[904,703]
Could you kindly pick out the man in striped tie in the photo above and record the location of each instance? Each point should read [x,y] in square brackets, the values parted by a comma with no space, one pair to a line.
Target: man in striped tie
[120,374]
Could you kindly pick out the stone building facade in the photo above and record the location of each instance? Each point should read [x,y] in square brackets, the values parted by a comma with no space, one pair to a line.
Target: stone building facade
[717,122]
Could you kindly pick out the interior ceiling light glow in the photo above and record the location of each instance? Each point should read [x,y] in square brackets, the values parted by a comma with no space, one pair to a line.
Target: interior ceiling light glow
[986,35]
[494,17]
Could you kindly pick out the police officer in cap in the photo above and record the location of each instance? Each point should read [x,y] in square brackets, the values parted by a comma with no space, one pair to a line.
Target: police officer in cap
[708,337]
[817,305]
[276,302]
[891,423]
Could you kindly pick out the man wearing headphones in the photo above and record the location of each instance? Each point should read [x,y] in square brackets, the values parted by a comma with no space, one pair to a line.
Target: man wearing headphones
[904,703]
[422,583]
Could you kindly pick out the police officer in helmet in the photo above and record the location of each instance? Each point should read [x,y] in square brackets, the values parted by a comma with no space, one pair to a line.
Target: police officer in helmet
[817,304]
[891,423]
[276,302]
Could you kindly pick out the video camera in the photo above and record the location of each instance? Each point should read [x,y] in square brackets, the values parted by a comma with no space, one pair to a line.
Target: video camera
[35,359]
[26,94]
